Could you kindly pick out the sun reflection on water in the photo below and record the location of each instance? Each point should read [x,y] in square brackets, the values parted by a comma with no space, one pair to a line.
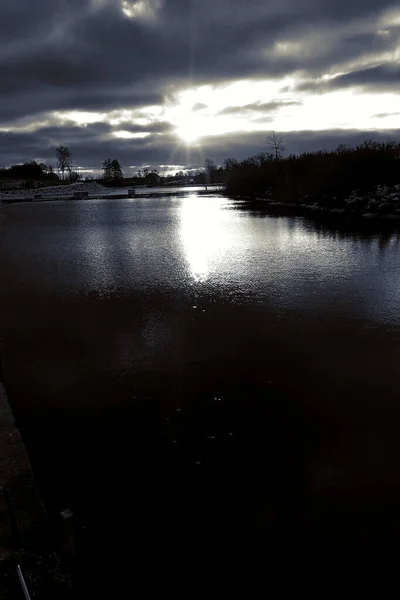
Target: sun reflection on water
[204,235]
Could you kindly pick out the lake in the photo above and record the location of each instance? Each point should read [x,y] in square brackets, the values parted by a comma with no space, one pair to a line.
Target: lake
[190,369]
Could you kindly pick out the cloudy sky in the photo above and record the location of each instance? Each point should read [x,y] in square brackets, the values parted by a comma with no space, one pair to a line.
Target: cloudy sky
[168,83]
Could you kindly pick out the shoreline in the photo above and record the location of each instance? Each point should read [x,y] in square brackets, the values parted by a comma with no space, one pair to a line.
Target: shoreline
[19,493]
[321,213]
[69,198]
[316,211]
[378,205]
[25,529]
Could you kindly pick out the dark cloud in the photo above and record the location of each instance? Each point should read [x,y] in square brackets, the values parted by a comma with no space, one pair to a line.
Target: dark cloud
[383,77]
[383,115]
[263,107]
[155,127]
[99,100]
[88,55]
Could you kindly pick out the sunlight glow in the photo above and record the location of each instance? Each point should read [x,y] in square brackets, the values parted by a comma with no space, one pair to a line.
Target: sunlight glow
[128,135]
[202,112]
[188,131]
[22,127]
[205,239]
[390,18]
[81,117]
[247,106]
[197,113]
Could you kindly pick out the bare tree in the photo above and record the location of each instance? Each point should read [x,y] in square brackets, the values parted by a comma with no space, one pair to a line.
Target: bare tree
[63,160]
[275,142]
[230,164]
[106,166]
[341,149]
[209,168]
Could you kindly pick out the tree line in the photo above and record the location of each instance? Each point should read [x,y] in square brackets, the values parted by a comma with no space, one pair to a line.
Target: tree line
[34,171]
[269,174]
[322,174]
[112,172]
[29,170]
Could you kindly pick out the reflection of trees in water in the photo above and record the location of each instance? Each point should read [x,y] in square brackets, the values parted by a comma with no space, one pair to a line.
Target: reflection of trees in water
[328,226]
[387,238]
[351,231]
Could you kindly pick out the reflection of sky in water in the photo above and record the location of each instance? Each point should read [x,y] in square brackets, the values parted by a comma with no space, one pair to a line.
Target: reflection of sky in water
[164,246]
[96,253]
[289,262]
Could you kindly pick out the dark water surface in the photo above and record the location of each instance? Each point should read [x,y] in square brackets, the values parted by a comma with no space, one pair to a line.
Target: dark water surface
[187,371]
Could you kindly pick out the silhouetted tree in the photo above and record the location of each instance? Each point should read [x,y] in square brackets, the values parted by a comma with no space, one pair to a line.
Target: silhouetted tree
[230,164]
[30,170]
[106,166]
[44,168]
[112,170]
[63,160]
[324,176]
[74,176]
[209,168]
[116,171]
[275,142]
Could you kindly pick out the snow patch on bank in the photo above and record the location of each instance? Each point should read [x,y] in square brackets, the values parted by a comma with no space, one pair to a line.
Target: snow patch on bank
[57,191]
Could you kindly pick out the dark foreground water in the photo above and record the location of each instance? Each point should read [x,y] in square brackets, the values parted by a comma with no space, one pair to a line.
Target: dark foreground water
[194,378]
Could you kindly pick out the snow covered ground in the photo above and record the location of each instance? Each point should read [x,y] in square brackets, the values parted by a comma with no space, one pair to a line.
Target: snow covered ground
[93,188]
[381,200]
[188,189]
[55,191]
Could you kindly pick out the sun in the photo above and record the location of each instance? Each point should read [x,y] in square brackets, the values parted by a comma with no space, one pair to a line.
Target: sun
[188,131]
[182,113]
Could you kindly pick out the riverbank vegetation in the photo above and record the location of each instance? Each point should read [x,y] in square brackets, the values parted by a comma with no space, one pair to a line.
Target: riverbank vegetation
[323,179]
[363,180]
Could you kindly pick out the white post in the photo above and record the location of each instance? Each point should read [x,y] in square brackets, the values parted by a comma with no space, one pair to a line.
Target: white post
[23,584]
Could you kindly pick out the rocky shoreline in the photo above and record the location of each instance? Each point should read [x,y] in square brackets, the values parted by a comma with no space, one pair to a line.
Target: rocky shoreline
[380,204]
